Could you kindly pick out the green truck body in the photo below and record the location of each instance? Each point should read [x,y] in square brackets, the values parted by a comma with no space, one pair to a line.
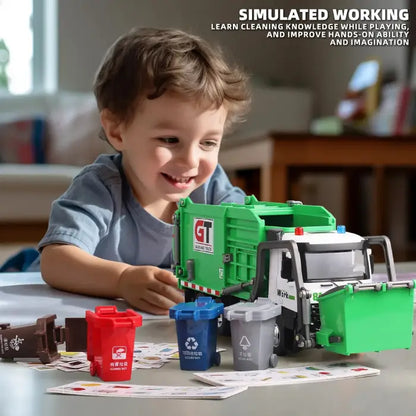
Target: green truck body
[293,254]
[223,239]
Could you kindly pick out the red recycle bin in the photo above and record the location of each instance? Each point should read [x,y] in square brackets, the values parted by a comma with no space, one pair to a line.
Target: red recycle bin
[110,342]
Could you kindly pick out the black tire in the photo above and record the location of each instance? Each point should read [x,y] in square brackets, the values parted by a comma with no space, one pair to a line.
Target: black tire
[284,339]
[279,346]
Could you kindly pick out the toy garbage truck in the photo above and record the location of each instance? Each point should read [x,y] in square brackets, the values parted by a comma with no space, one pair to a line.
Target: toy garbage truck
[295,255]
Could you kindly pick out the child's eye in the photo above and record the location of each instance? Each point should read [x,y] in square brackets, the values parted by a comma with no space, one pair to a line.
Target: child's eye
[169,140]
[209,144]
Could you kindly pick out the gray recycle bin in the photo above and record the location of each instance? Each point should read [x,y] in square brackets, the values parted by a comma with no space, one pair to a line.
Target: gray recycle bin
[252,333]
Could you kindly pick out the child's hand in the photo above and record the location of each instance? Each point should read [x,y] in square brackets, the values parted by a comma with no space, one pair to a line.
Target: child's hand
[150,289]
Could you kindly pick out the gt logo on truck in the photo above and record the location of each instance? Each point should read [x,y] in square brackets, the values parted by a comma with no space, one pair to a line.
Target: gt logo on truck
[203,235]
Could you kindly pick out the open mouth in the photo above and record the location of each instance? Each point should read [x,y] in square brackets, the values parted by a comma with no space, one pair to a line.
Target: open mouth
[178,180]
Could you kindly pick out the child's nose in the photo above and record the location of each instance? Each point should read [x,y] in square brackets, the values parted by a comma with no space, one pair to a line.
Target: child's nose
[189,157]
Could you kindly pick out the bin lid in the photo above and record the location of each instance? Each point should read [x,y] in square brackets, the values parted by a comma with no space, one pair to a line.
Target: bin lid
[261,309]
[204,307]
[109,316]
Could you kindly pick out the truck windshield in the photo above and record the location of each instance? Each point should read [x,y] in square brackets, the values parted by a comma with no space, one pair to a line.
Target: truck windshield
[342,265]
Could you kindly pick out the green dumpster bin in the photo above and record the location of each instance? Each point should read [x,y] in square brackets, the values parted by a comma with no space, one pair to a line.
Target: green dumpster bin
[367,317]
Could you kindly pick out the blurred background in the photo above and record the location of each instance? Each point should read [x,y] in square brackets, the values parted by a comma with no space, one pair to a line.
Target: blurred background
[305,109]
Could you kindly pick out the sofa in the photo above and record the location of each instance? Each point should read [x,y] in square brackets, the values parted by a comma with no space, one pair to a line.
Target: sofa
[45,139]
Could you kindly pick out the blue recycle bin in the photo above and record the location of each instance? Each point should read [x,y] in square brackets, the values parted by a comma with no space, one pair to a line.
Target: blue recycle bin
[196,329]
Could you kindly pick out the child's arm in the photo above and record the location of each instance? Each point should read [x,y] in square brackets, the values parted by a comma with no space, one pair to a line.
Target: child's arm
[148,288]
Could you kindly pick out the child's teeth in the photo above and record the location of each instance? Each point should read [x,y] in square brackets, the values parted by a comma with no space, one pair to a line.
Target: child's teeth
[180,180]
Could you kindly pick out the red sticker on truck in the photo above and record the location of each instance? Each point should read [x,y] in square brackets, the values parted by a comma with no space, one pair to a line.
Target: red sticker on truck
[203,235]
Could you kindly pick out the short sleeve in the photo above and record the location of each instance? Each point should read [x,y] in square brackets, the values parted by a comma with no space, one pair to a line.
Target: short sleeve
[82,215]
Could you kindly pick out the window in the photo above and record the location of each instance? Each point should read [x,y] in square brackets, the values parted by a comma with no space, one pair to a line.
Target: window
[27,46]
[341,265]
[16,46]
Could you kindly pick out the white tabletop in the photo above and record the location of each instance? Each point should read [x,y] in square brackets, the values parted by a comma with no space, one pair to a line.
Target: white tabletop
[22,390]
[24,297]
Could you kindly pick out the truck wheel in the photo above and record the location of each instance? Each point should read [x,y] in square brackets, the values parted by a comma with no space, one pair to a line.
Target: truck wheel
[279,341]
[284,339]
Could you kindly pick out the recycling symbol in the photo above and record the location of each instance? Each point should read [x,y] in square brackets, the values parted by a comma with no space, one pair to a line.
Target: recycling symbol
[191,343]
[15,343]
[245,343]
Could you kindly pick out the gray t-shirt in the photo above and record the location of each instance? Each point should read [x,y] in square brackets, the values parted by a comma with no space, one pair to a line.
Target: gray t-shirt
[100,214]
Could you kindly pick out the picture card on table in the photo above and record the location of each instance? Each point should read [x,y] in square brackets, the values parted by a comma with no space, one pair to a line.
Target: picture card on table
[281,376]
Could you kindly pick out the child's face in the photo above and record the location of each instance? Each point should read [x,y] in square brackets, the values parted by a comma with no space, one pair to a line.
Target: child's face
[170,147]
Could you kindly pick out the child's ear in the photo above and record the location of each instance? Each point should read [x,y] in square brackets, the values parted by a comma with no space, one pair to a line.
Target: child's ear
[112,127]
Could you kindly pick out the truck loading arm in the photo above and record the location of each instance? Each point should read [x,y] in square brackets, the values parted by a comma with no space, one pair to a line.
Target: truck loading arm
[377,287]
[303,295]
[384,242]
[176,240]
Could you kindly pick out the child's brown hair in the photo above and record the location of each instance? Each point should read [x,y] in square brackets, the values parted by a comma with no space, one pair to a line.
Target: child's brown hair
[147,62]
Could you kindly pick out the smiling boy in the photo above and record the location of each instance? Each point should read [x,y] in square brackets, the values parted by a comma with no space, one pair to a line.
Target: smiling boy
[169,149]
[165,99]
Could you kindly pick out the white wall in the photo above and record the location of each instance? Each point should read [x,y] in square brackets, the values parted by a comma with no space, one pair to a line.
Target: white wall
[88,27]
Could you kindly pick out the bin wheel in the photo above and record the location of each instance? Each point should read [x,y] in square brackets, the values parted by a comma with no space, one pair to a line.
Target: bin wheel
[217,359]
[273,360]
[93,368]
